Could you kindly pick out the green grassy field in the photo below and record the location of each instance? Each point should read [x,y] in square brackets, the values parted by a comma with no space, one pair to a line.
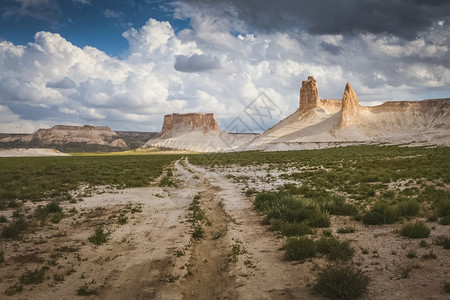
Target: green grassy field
[375,184]
[43,178]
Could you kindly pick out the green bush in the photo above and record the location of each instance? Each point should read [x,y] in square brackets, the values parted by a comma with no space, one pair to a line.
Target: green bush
[443,207]
[14,230]
[2,257]
[299,248]
[335,249]
[338,207]
[408,208]
[341,282]
[3,219]
[416,231]
[319,220]
[290,229]
[379,214]
[14,289]
[265,200]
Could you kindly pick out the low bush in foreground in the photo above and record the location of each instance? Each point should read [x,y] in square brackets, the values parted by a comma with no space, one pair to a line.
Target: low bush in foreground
[415,231]
[443,240]
[299,248]
[341,282]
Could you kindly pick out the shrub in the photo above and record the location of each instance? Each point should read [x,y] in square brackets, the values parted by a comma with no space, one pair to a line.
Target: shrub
[290,229]
[379,214]
[299,248]
[53,207]
[33,277]
[198,232]
[2,257]
[320,220]
[443,240]
[14,229]
[122,219]
[14,289]
[347,229]
[445,220]
[447,287]
[3,219]
[265,200]
[443,207]
[341,282]
[408,208]
[99,236]
[339,207]
[416,231]
[86,290]
[335,249]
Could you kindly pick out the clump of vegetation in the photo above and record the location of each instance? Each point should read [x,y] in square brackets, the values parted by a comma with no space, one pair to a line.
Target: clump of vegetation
[86,289]
[447,287]
[33,277]
[236,250]
[198,232]
[3,219]
[341,282]
[335,249]
[14,289]
[429,255]
[290,215]
[299,248]
[52,211]
[122,219]
[381,213]
[13,230]
[2,257]
[408,208]
[99,236]
[443,240]
[347,229]
[415,231]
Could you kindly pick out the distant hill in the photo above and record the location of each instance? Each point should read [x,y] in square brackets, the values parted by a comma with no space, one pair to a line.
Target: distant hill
[77,139]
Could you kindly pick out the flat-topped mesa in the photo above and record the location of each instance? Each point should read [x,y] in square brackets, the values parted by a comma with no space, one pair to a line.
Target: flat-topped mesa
[309,96]
[351,110]
[194,121]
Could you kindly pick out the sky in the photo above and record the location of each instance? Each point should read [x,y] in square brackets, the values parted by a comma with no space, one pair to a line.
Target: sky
[125,64]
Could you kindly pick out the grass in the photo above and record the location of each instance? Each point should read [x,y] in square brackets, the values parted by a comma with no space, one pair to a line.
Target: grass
[299,248]
[43,178]
[341,282]
[14,289]
[415,231]
[347,229]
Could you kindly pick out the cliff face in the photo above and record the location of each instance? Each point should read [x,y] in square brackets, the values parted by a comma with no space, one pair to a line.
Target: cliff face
[70,138]
[190,121]
[309,96]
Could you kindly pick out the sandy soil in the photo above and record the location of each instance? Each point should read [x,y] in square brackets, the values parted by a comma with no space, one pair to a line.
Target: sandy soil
[153,256]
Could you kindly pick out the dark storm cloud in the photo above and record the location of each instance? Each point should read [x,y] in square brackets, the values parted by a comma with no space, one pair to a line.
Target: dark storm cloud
[402,18]
[65,83]
[196,63]
[333,49]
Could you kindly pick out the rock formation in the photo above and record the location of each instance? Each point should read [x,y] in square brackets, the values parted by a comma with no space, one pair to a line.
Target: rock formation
[70,138]
[193,121]
[196,132]
[309,96]
[323,123]
[351,110]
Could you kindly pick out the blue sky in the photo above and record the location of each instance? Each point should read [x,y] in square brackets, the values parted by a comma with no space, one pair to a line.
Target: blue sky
[125,64]
[83,22]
